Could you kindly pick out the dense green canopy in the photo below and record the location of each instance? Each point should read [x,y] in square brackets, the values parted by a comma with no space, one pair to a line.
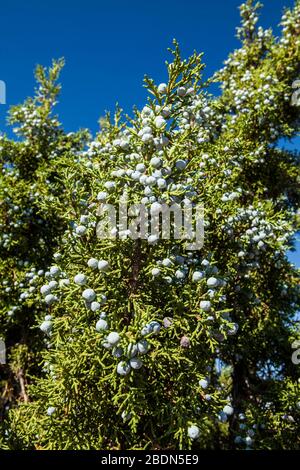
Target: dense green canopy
[122,343]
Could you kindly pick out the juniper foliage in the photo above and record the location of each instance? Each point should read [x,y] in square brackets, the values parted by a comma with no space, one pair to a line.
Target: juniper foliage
[145,343]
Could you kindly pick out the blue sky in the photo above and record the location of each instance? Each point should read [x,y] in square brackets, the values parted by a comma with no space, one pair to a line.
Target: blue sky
[110,45]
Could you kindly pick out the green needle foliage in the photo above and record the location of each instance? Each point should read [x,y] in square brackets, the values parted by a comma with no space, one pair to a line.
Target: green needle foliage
[122,343]
[30,228]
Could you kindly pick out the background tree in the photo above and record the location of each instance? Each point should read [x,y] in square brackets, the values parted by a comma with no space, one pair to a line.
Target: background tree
[30,228]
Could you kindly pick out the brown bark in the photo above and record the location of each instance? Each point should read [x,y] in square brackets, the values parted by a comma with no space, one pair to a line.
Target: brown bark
[22,381]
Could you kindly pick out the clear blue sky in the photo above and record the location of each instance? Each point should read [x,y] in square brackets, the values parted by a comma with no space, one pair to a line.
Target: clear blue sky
[110,45]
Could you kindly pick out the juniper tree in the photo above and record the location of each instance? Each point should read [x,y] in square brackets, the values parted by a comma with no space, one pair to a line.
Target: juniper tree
[30,229]
[150,344]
